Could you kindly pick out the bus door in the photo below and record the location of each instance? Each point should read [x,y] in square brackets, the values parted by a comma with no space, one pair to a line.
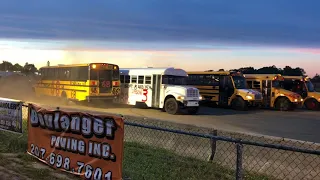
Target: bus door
[105,81]
[267,92]
[156,82]
[226,90]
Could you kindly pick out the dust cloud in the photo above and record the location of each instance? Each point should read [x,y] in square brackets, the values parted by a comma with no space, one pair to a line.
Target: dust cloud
[20,87]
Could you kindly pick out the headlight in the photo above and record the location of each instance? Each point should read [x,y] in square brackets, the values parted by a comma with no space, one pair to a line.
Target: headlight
[180,97]
[249,97]
[200,98]
[295,100]
[301,100]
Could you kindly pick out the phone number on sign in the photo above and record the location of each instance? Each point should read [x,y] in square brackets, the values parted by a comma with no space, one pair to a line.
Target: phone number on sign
[58,161]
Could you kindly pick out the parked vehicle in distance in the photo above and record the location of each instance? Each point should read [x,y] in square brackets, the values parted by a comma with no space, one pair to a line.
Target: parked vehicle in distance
[274,94]
[79,82]
[303,86]
[163,88]
[224,88]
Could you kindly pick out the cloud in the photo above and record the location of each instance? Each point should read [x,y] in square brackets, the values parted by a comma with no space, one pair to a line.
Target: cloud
[307,50]
[283,23]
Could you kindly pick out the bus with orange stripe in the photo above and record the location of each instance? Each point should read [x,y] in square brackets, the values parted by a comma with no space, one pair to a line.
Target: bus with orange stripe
[79,82]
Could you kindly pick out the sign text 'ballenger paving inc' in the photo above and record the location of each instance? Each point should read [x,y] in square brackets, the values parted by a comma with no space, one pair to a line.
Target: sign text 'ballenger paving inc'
[91,146]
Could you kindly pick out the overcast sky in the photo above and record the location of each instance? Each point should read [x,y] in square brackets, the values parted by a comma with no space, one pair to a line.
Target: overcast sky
[216,33]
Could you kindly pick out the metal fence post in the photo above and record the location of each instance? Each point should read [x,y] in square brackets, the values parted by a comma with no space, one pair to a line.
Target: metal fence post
[239,171]
[213,143]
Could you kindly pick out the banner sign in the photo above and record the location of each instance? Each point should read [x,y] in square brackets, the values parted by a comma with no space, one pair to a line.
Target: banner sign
[11,115]
[79,143]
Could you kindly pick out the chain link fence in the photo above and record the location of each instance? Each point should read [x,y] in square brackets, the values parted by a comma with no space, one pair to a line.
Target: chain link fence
[213,154]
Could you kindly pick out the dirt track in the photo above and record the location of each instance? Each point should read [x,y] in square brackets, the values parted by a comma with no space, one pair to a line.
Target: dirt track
[294,125]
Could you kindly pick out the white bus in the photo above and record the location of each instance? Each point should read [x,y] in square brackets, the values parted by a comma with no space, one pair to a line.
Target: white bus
[162,88]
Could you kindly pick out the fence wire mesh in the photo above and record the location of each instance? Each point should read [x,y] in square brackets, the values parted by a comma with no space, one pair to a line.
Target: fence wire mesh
[207,158]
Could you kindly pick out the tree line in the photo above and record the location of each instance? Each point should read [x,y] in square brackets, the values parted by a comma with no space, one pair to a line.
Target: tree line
[26,69]
[287,70]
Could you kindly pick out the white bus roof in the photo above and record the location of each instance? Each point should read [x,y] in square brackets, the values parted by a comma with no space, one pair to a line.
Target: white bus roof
[151,71]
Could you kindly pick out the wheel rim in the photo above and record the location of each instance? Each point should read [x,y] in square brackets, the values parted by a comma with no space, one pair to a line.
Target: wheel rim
[312,105]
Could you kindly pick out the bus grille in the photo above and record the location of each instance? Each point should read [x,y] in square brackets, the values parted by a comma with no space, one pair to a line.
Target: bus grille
[192,92]
[258,96]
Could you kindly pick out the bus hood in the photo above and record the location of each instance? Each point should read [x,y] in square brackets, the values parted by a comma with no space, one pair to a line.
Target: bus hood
[180,90]
[294,97]
[248,91]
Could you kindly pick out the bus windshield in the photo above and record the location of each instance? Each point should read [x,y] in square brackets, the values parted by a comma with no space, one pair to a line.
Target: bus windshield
[239,82]
[310,86]
[174,80]
[277,84]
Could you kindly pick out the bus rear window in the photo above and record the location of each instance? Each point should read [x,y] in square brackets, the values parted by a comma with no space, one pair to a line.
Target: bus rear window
[96,74]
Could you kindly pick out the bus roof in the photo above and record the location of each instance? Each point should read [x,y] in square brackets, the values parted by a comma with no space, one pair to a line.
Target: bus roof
[151,71]
[305,78]
[210,72]
[261,76]
[73,65]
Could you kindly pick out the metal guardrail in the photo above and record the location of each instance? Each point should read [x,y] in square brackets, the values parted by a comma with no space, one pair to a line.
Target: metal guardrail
[240,146]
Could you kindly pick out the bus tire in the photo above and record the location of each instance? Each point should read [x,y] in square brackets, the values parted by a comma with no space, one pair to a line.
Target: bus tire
[283,104]
[64,98]
[311,104]
[193,110]
[171,106]
[239,104]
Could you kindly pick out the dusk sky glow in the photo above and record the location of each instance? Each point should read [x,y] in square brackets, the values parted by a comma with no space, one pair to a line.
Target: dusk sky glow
[189,34]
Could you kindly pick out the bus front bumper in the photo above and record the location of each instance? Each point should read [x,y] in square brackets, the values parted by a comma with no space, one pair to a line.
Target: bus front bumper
[190,103]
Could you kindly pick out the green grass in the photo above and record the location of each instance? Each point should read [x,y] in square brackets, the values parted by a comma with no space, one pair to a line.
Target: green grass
[141,162]
[145,162]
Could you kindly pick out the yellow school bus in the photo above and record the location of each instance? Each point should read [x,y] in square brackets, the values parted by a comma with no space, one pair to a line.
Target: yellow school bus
[224,88]
[274,94]
[303,86]
[79,82]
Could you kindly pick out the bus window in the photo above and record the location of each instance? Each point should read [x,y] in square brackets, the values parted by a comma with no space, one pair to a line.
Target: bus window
[127,79]
[122,78]
[133,79]
[229,82]
[101,74]
[239,82]
[140,79]
[51,74]
[277,84]
[256,85]
[83,74]
[174,80]
[310,86]
[148,79]
[105,75]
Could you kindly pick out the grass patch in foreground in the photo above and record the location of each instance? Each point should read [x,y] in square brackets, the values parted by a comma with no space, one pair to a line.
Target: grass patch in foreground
[16,164]
[140,162]
[12,142]
[145,162]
